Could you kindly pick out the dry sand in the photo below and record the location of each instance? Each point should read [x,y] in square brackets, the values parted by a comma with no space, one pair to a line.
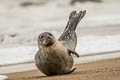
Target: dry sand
[100,70]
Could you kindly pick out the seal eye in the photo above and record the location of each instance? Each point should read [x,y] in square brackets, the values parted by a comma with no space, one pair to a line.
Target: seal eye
[50,34]
[42,36]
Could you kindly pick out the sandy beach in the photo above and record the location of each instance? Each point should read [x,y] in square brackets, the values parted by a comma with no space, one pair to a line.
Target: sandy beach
[100,70]
[98,37]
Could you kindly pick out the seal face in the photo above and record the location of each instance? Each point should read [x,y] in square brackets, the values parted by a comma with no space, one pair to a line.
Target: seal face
[54,56]
[46,39]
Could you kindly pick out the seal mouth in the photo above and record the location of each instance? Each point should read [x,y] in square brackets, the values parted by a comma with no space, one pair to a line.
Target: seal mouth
[48,41]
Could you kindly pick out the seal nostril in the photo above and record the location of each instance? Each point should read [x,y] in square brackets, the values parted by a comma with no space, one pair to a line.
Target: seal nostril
[47,37]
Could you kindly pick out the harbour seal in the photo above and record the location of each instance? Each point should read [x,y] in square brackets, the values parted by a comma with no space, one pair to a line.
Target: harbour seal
[54,56]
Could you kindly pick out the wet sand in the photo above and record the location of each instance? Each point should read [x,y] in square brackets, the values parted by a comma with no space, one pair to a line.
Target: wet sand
[100,70]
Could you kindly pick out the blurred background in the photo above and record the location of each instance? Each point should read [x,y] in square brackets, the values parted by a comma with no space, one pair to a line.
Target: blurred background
[21,21]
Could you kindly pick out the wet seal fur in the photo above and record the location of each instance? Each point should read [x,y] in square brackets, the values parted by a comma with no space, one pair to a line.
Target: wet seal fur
[54,56]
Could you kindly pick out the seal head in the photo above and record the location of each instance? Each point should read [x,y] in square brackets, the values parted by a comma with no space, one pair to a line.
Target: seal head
[46,39]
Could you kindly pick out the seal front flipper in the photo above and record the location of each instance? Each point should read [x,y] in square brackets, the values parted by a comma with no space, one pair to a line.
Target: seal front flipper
[73,52]
[70,71]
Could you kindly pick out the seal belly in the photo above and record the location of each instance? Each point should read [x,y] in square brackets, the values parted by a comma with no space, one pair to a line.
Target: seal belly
[54,64]
[57,65]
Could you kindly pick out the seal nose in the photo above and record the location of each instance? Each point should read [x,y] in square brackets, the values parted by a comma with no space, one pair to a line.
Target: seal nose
[48,36]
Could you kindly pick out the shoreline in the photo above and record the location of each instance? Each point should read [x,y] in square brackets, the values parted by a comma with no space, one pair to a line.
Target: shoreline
[99,70]
[83,59]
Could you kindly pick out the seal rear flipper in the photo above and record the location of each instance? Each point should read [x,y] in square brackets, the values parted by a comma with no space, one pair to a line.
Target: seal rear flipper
[74,19]
[69,34]
[70,71]
[73,52]
[72,23]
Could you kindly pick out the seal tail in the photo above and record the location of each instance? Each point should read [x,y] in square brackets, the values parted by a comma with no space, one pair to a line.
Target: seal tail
[74,19]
